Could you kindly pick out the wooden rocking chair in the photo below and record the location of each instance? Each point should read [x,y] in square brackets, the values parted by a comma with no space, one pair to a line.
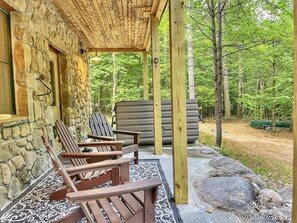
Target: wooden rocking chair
[116,170]
[101,130]
[130,203]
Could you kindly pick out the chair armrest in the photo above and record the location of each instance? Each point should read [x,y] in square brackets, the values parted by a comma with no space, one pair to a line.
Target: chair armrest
[126,132]
[93,194]
[100,144]
[136,135]
[107,138]
[116,144]
[91,155]
[107,164]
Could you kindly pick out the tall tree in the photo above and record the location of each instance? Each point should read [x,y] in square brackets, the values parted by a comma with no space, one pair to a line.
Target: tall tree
[215,10]
[115,81]
[191,75]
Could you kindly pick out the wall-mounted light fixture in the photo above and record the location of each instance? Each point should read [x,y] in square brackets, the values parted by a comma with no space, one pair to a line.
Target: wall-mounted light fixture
[96,57]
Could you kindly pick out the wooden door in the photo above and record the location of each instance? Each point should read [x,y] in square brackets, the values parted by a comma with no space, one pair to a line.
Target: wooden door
[55,86]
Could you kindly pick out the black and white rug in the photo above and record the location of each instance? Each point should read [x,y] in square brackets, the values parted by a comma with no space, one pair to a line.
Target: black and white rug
[35,207]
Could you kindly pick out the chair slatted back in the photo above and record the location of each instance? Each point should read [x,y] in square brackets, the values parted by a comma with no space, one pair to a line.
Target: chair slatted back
[69,144]
[67,180]
[100,126]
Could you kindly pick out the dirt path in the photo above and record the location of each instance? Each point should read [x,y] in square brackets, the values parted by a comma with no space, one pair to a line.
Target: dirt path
[278,146]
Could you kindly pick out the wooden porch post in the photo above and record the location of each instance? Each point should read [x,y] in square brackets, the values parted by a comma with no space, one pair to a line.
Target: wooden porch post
[145,76]
[178,100]
[294,205]
[156,85]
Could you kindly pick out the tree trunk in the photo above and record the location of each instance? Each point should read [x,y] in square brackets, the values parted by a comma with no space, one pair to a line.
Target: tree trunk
[240,110]
[115,80]
[273,117]
[191,75]
[262,107]
[227,102]
[217,63]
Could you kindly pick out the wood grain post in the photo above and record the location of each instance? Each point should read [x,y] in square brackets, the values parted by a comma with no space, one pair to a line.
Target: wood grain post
[156,85]
[145,76]
[294,205]
[178,100]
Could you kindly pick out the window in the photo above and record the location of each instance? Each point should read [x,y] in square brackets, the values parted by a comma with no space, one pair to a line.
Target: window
[6,82]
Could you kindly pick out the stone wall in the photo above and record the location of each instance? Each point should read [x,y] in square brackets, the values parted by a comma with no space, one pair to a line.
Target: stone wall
[36,27]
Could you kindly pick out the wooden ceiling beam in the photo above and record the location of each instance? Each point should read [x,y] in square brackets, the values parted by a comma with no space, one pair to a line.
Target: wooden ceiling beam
[105,24]
[158,9]
[6,6]
[115,50]
[161,9]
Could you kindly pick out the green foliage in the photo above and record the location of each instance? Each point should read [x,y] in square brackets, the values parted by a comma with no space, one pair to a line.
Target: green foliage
[257,43]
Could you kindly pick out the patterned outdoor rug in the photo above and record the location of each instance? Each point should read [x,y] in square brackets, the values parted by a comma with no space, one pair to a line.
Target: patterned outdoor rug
[35,206]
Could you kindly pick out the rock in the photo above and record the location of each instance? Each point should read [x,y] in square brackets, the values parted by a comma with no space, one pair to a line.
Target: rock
[5,152]
[37,143]
[11,167]
[207,150]
[260,219]
[37,111]
[24,176]
[30,138]
[15,132]
[22,33]
[6,174]
[29,146]
[18,162]
[6,133]
[14,188]
[269,197]
[3,195]
[31,79]
[49,116]
[21,142]
[22,57]
[15,150]
[37,169]
[22,95]
[286,193]
[19,5]
[24,130]
[277,214]
[30,158]
[228,193]
[228,167]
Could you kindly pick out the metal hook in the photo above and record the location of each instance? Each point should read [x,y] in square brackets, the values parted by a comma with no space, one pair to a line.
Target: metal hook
[41,78]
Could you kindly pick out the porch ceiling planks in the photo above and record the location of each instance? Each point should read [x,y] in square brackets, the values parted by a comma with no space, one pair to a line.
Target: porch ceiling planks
[112,25]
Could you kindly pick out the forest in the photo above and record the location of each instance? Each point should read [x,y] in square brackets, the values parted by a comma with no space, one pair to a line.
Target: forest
[239,61]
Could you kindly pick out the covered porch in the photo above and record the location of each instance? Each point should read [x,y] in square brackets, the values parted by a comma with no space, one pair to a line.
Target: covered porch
[81,27]
[46,77]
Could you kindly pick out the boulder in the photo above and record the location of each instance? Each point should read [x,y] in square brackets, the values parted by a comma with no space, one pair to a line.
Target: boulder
[269,197]
[228,193]
[225,166]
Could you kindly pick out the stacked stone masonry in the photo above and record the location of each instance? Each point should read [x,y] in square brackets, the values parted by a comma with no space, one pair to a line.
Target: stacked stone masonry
[36,27]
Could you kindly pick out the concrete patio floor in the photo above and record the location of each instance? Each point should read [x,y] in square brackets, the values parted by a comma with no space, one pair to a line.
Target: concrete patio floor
[196,211]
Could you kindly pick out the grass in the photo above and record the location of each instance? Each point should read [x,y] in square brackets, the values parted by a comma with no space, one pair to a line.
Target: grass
[276,174]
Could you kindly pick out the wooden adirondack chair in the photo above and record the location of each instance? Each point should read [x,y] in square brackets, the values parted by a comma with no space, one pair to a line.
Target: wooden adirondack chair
[116,170]
[101,130]
[130,203]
